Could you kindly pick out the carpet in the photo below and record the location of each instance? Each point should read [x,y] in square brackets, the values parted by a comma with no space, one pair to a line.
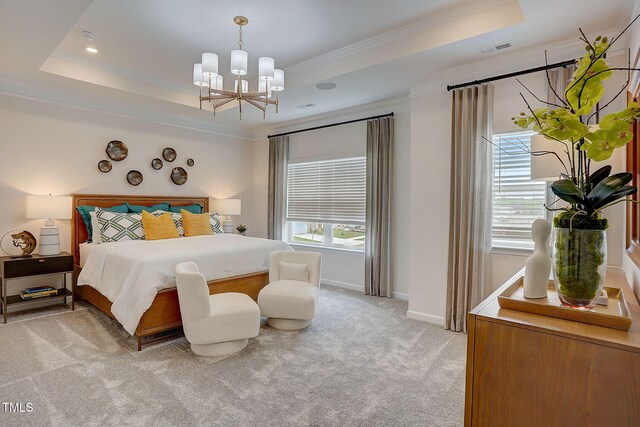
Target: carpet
[361,363]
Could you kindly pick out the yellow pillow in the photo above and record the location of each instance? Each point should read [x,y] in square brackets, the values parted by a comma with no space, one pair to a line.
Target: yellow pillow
[159,227]
[195,224]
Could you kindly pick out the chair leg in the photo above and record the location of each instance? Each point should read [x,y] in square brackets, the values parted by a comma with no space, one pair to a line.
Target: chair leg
[288,324]
[219,349]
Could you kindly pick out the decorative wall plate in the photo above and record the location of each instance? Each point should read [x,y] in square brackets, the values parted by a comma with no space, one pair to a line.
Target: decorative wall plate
[18,243]
[157,164]
[117,151]
[134,177]
[169,154]
[104,166]
[179,176]
[190,162]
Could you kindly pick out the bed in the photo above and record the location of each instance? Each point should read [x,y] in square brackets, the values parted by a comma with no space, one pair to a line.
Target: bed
[146,303]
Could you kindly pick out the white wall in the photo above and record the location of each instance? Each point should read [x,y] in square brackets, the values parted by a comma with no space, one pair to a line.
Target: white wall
[430,179]
[49,148]
[346,268]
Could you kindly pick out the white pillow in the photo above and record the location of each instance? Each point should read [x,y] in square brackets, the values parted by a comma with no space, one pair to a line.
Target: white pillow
[95,225]
[115,227]
[214,220]
[291,271]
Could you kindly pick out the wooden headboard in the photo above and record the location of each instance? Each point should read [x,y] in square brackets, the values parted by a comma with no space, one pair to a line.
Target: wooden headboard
[79,232]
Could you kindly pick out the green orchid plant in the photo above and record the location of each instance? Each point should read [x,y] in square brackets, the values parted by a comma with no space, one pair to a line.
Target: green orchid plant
[568,123]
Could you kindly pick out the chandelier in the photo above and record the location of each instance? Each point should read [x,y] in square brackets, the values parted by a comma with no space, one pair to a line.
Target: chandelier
[270,79]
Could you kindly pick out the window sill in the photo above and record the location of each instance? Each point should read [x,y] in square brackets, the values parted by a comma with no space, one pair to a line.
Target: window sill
[353,252]
[503,250]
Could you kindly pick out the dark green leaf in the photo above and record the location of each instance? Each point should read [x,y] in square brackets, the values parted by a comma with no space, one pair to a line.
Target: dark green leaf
[607,186]
[568,191]
[599,175]
[618,194]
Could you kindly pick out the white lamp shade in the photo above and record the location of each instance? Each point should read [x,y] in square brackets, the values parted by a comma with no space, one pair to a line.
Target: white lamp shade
[245,86]
[239,61]
[277,84]
[210,64]
[547,167]
[265,68]
[197,75]
[264,86]
[216,83]
[228,206]
[49,207]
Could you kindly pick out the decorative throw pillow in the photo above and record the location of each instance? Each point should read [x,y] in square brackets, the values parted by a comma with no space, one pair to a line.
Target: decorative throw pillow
[214,220]
[159,227]
[177,220]
[291,271]
[196,224]
[85,212]
[115,227]
[138,209]
[196,209]
[95,237]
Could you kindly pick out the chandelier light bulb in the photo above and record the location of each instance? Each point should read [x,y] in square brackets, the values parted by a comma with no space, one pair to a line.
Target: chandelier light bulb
[210,64]
[265,68]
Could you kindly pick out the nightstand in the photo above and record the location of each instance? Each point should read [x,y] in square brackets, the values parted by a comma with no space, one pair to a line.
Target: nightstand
[35,266]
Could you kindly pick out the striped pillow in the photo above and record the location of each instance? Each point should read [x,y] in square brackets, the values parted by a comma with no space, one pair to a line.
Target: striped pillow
[115,227]
[216,227]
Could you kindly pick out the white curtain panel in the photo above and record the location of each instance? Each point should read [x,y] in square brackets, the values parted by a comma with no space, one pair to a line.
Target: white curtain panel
[469,277]
[378,209]
[276,209]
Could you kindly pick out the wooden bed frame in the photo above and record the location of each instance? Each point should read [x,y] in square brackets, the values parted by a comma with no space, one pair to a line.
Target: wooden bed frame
[164,313]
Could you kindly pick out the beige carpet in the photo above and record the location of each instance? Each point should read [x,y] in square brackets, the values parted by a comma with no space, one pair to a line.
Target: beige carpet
[362,363]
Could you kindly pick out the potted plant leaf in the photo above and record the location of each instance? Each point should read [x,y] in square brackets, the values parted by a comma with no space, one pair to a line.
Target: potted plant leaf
[579,244]
[242,229]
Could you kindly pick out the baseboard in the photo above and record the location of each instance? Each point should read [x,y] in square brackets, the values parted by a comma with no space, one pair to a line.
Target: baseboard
[424,317]
[359,288]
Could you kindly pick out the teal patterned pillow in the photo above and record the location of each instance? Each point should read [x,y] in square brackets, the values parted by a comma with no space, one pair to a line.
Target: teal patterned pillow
[138,209]
[196,209]
[115,227]
[216,227]
[85,213]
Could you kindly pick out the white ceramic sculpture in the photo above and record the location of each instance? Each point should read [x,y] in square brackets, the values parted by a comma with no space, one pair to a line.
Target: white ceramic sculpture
[538,266]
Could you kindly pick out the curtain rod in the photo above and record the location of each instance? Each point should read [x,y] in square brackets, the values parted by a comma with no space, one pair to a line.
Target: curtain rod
[332,125]
[514,74]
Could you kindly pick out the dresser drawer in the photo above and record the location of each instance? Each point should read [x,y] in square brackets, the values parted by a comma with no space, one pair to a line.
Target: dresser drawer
[36,266]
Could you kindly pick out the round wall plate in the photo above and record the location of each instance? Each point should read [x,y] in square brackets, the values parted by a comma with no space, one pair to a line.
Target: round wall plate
[190,162]
[134,177]
[169,154]
[179,176]
[157,164]
[117,151]
[104,166]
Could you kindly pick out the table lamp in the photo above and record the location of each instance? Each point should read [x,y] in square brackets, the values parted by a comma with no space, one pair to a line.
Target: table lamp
[228,207]
[49,208]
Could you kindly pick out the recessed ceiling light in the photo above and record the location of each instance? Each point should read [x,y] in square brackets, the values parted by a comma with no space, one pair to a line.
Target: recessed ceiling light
[92,50]
[303,106]
[326,86]
[89,35]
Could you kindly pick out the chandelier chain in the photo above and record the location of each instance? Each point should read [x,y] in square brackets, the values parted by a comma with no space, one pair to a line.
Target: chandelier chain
[240,42]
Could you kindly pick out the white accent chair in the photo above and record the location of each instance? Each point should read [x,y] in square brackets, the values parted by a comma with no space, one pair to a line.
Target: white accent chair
[215,325]
[289,300]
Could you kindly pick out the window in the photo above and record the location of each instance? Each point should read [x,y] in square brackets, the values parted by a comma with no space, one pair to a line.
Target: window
[326,202]
[517,201]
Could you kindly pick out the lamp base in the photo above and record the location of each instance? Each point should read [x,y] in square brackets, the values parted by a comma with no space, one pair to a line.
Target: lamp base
[49,241]
[227,226]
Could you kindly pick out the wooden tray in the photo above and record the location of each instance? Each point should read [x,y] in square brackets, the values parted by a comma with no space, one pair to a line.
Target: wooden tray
[615,315]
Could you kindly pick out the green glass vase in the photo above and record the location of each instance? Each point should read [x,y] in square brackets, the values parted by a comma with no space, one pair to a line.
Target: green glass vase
[579,265]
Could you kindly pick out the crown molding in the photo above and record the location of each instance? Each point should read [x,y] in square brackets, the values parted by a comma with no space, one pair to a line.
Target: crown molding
[18,88]
[451,15]
[435,82]
[399,105]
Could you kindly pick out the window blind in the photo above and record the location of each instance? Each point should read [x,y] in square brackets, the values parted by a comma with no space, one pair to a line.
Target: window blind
[327,191]
[517,200]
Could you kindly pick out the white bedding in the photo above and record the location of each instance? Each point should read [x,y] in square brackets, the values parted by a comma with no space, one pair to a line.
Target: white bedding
[85,248]
[130,273]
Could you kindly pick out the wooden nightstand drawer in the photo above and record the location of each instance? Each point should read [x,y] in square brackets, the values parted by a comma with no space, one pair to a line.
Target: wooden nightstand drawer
[37,265]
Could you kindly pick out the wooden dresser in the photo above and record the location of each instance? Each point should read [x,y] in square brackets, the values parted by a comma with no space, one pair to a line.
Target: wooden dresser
[530,370]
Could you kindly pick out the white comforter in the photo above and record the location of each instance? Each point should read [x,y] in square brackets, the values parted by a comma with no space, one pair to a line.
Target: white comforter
[130,273]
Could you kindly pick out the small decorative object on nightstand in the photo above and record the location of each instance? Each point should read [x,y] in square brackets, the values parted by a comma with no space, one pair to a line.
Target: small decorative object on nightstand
[49,208]
[242,229]
[536,275]
[38,265]
[228,207]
